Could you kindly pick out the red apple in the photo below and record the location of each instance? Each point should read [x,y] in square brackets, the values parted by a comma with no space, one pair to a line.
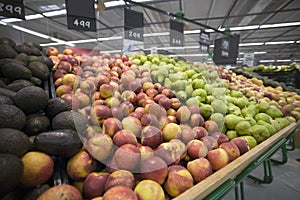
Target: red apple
[232,150]
[132,124]
[178,181]
[127,157]
[100,146]
[124,137]
[220,137]
[211,126]
[197,149]
[151,136]
[196,120]
[154,168]
[51,51]
[218,158]
[210,142]
[64,65]
[241,143]
[149,119]
[146,152]
[200,169]
[106,90]
[120,193]
[188,134]
[200,131]
[120,178]
[93,185]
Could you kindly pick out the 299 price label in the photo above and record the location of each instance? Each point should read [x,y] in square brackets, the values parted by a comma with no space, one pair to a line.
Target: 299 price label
[81,23]
[12,9]
[134,34]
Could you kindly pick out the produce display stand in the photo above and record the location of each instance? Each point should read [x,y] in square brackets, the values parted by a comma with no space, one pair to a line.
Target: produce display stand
[232,175]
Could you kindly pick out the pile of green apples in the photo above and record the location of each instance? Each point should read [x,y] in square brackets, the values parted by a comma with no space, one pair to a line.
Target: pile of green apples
[240,106]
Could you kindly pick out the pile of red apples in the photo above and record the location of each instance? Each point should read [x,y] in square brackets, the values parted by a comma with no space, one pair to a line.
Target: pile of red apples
[142,137]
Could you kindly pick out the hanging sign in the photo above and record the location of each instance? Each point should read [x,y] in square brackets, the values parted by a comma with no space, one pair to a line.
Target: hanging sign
[134,31]
[12,9]
[134,25]
[81,15]
[176,33]
[204,41]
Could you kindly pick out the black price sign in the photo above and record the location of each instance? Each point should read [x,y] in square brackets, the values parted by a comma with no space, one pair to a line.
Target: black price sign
[81,15]
[134,25]
[176,33]
[12,8]
[204,41]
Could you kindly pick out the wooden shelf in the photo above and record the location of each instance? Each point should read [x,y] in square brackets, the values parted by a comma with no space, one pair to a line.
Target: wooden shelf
[230,171]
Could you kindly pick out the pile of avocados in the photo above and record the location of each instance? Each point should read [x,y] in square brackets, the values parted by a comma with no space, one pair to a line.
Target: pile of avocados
[269,81]
[30,119]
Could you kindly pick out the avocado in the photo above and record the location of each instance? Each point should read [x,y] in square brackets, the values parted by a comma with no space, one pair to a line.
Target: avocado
[8,41]
[47,61]
[31,99]
[56,106]
[7,93]
[13,141]
[12,117]
[36,123]
[11,172]
[15,71]
[6,100]
[35,51]
[70,120]
[23,58]
[36,81]
[7,51]
[22,48]
[39,69]
[18,84]
[62,142]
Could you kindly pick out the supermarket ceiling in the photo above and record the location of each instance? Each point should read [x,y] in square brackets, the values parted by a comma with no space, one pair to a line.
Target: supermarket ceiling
[269,28]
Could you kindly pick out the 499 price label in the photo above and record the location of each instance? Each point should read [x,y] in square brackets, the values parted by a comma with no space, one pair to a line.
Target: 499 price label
[81,23]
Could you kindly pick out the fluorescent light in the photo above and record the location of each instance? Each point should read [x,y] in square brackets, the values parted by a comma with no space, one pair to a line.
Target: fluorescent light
[156,34]
[3,23]
[266,60]
[83,41]
[287,60]
[280,25]
[209,30]
[111,51]
[9,20]
[212,45]
[30,32]
[251,44]
[114,3]
[62,41]
[55,13]
[35,16]
[52,44]
[280,42]
[260,52]
[192,32]
[241,28]
[169,48]
[298,41]
[110,38]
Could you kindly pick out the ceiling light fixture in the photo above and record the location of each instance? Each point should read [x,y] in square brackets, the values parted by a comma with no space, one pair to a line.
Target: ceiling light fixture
[110,38]
[83,41]
[280,42]
[251,44]
[280,25]
[9,20]
[55,13]
[35,16]
[156,34]
[189,55]
[3,23]
[30,32]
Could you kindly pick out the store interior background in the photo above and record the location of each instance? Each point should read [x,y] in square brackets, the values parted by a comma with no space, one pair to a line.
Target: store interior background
[268,28]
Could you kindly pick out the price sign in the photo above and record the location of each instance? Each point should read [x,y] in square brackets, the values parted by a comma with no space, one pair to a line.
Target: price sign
[204,41]
[81,15]
[176,33]
[81,23]
[226,50]
[12,8]
[248,59]
[134,25]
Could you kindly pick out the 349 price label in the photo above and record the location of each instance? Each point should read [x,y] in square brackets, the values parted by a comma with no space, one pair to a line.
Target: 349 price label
[13,9]
[81,23]
[134,35]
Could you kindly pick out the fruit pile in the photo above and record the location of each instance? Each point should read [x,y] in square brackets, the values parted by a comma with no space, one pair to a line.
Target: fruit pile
[160,123]
[271,68]
[126,125]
